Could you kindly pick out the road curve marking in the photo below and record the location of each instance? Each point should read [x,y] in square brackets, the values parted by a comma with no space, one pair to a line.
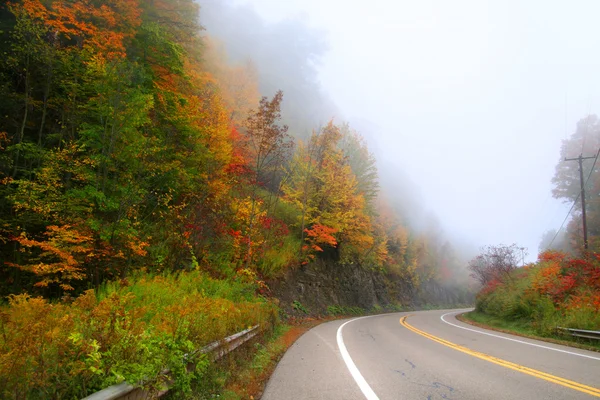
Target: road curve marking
[516,340]
[360,380]
[520,368]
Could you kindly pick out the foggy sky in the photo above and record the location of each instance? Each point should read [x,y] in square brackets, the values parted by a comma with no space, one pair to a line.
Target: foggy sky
[470,99]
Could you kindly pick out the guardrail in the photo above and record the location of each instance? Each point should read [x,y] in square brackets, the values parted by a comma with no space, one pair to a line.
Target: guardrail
[218,349]
[595,335]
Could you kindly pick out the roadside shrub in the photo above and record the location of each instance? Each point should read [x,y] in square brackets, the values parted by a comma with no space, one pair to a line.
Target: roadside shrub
[556,291]
[376,309]
[42,355]
[130,330]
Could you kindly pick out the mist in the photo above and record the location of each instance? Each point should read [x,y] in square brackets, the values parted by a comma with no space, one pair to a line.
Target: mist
[285,54]
[465,104]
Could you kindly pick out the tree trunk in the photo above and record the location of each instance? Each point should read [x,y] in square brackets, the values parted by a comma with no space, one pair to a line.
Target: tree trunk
[21,133]
[45,106]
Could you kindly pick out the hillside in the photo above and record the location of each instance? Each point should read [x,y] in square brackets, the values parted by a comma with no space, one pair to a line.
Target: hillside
[152,200]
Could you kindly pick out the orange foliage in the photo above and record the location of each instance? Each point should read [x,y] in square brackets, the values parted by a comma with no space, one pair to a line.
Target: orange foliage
[320,235]
[3,140]
[59,259]
[552,256]
[101,27]
[585,299]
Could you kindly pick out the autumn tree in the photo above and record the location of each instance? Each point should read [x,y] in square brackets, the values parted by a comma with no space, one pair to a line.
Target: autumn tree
[269,146]
[322,185]
[269,143]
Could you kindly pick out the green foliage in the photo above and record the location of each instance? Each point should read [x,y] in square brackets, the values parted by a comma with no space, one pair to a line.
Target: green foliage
[395,307]
[377,309]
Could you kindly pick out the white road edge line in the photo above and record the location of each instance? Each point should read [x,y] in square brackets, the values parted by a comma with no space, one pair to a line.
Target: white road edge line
[515,340]
[360,380]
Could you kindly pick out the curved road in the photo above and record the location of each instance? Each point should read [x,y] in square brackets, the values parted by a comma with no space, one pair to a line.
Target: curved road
[429,355]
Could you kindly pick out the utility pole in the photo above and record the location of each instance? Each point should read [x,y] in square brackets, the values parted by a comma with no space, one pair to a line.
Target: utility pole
[580,159]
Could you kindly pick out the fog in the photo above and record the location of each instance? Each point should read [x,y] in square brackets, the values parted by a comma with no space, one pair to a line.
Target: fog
[465,103]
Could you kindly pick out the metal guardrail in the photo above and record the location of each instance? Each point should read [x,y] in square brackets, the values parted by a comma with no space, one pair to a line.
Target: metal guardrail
[218,349]
[581,333]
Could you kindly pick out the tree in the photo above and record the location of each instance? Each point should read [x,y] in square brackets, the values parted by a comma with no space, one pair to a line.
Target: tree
[322,185]
[269,146]
[495,262]
[269,143]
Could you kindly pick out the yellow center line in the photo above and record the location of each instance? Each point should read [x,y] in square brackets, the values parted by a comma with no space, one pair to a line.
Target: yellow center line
[529,371]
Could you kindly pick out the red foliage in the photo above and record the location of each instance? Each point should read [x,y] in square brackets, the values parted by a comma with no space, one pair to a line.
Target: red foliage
[235,234]
[276,226]
[490,287]
[573,282]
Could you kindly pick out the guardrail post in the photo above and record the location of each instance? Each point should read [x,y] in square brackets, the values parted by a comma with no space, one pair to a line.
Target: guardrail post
[582,333]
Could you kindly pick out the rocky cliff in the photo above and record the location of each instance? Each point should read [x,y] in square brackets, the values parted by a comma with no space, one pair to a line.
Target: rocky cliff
[314,287]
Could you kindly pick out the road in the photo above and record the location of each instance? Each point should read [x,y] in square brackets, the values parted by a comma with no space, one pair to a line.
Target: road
[421,355]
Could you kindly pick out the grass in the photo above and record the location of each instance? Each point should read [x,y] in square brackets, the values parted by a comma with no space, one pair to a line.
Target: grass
[523,328]
[276,260]
[346,311]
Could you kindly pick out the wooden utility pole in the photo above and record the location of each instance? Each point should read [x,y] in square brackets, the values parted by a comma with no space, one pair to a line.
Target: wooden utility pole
[580,159]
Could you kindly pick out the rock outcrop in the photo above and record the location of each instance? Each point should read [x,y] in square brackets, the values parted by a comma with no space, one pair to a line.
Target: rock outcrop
[316,286]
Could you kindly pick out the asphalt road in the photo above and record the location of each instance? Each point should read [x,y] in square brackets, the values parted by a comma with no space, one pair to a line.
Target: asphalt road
[426,357]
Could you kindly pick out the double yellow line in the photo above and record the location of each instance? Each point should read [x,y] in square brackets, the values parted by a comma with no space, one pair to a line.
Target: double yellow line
[529,371]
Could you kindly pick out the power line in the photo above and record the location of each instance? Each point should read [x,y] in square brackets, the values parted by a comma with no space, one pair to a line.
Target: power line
[575,202]
[565,220]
